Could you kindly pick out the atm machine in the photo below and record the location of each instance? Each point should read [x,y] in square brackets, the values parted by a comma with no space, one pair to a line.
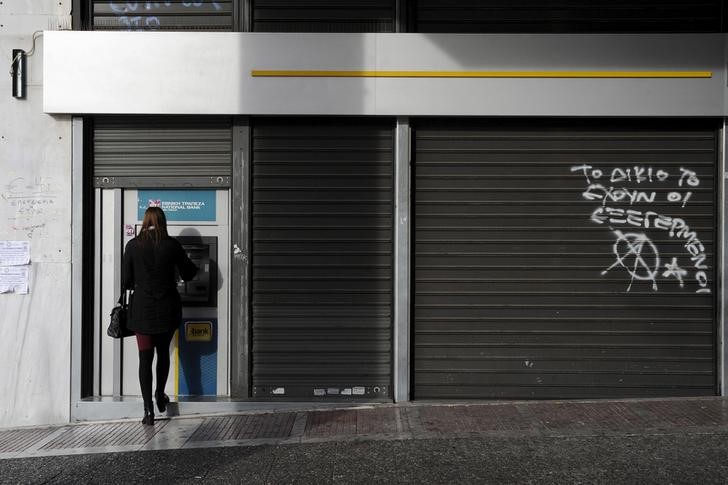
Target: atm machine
[195,356]
[198,219]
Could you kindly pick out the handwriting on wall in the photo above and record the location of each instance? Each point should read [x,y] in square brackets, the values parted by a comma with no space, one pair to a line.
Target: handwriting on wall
[623,196]
[32,202]
[135,16]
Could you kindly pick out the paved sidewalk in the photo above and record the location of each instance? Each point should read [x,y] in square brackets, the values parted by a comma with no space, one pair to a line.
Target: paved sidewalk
[382,422]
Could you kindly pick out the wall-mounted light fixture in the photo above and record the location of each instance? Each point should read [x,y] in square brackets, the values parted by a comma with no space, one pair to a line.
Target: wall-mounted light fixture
[18,71]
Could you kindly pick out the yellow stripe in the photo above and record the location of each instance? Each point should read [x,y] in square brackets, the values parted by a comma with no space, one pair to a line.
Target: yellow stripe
[486,74]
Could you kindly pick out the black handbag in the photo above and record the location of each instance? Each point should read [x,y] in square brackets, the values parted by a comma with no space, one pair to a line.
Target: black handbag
[117,324]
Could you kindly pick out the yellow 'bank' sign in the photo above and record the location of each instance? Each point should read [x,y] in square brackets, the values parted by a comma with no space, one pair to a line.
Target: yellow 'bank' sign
[198,331]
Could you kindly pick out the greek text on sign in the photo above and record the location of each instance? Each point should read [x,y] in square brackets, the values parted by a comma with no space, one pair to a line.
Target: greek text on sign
[198,331]
[179,205]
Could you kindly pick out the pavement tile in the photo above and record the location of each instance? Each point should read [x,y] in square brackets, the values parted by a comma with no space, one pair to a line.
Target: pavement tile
[559,416]
[616,416]
[372,421]
[410,420]
[330,423]
[377,421]
[716,410]
[22,439]
[496,418]
[245,427]
[674,413]
[104,435]
[439,419]
[354,422]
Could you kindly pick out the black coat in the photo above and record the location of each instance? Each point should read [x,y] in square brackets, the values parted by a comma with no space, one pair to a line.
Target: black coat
[149,270]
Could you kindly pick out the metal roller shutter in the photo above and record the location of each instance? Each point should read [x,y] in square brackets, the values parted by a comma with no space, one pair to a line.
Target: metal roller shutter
[565,260]
[199,15]
[323,16]
[568,16]
[322,258]
[147,151]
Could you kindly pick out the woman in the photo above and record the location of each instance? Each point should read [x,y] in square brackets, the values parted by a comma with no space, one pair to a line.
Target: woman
[155,309]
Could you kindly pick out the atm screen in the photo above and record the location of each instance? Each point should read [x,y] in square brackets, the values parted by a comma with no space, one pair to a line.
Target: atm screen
[202,289]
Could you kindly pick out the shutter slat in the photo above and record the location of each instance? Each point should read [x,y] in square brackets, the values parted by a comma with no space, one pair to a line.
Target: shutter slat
[568,16]
[199,15]
[323,16]
[162,152]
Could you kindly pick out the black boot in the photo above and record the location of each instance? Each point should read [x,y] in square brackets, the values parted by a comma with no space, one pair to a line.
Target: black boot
[162,401]
[148,415]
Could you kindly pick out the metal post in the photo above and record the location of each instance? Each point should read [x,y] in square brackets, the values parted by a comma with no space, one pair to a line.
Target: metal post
[402,262]
[77,296]
[240,262]
[117,251]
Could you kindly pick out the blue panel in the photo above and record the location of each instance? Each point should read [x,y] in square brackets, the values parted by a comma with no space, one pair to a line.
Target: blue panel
[198,362]
[179,205]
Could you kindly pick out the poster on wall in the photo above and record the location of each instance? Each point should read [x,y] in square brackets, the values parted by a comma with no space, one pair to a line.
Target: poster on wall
[14,253]
[14,267]
[14,279]
[179,205]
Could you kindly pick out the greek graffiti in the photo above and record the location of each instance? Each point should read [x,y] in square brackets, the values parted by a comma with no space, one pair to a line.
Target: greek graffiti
[638,255]
[136,6]
[675,227]
[637,174]
[600,192]
[690,177]
[136,15]
[635,251]
[140,23]
[33,201]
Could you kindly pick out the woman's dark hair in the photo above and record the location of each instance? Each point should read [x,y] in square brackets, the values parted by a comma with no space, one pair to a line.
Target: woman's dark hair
[154,218]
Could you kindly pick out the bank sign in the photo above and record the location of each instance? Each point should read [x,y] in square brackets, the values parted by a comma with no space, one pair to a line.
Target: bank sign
[179,205]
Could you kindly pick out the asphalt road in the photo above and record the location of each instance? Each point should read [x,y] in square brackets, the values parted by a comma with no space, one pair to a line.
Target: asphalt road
[674,457]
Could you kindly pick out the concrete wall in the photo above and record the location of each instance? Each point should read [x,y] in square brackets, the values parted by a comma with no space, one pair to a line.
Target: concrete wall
[35,206]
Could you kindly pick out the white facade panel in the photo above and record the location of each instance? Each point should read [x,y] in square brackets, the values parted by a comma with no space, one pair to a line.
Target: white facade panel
[551,96]
[211,73]
[35,350]
[341,96]
[125,72]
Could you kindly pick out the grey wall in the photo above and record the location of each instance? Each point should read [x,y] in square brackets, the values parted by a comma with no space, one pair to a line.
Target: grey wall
[35,206]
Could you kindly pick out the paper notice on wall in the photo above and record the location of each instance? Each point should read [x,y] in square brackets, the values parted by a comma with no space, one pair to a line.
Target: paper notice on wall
[14,253]
[14,279]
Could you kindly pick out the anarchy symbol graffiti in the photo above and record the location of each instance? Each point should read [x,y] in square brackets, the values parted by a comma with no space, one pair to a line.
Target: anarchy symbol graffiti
[638,255]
